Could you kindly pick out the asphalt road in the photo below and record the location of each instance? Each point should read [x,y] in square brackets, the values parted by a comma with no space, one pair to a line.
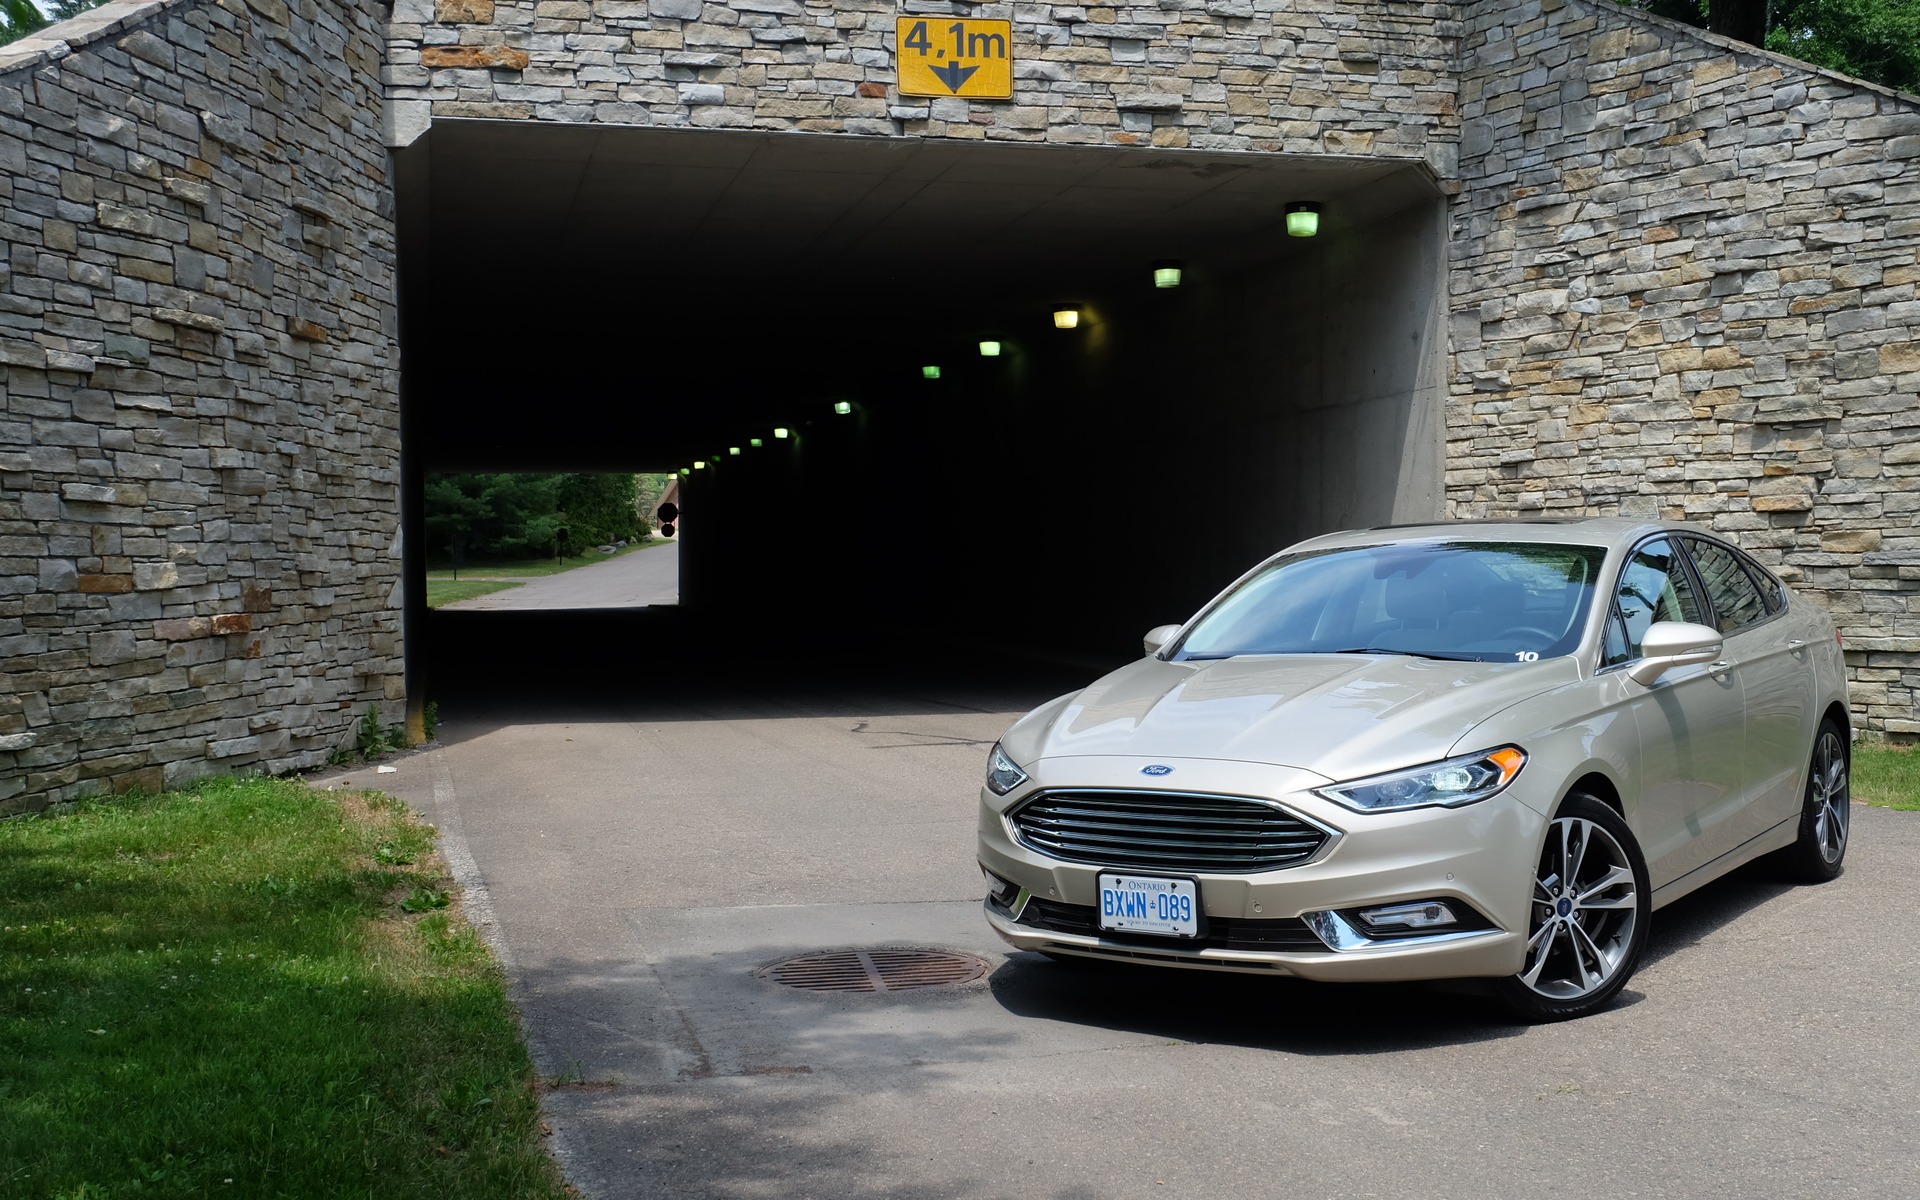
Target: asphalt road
[644,577]
[636,866]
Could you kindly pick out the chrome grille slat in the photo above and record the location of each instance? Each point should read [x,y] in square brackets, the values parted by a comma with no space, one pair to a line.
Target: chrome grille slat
[1165,831]
[1122,842]
[1144,813]
[1227,837]
[1133,822]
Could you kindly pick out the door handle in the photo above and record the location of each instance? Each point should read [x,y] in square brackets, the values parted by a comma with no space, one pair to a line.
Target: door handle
[1796,643]
[1721,667]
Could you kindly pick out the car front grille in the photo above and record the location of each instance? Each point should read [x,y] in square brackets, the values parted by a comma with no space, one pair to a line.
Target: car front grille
[1165,831]
[1287,935]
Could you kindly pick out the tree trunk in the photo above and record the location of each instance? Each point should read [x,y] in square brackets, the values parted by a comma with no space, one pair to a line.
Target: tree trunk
[1743,20]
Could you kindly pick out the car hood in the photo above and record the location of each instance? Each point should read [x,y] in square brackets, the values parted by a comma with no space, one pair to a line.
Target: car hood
[1338,715]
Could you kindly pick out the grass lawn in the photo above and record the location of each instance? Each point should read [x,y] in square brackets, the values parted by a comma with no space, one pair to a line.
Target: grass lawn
[1886,775]
[533,568]
[446,591]
[223,993]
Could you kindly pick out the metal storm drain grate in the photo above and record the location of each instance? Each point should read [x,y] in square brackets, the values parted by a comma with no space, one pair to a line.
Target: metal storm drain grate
[880,970]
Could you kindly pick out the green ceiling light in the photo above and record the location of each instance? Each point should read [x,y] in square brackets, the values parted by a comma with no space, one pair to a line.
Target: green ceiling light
[1303,218]
[1166,274]
[756,443]
[782,433]
[734,451]
[989,349]
[1066,316]
[929,372]
[686,470]
[842,407]
[716,460]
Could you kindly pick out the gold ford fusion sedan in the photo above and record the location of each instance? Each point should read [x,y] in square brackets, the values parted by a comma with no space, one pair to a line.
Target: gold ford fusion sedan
[1476,750]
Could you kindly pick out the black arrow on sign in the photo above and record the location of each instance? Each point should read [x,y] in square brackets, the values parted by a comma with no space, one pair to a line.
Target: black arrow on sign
[954,75]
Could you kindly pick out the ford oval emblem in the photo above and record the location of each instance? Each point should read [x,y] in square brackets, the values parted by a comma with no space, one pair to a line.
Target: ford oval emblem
[1156,770]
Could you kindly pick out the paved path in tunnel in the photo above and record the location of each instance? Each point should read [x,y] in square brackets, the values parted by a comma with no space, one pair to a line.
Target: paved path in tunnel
[643,577]
[637,865]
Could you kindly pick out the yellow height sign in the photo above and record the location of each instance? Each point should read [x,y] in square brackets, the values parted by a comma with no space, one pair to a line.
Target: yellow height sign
[941,57]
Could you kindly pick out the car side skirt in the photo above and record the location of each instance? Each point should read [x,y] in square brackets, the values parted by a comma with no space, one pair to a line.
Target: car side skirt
[1777,838]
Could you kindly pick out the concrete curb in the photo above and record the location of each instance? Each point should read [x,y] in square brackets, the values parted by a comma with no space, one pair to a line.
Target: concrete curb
[478,905]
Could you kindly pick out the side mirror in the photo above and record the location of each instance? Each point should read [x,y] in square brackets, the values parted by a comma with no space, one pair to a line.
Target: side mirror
[1159,636]
[1670,644]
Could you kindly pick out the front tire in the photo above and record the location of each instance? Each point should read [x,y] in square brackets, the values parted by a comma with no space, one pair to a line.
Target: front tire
[1591,906]
[1825,810]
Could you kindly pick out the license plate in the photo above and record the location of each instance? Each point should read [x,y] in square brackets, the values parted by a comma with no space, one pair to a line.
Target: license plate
[1149,904]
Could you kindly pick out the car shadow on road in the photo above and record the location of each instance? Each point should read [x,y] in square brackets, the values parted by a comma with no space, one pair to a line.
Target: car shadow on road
[1693,918]
[1288,1015]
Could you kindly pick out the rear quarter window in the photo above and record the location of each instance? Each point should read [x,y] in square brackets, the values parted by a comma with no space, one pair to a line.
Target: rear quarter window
[1737,600]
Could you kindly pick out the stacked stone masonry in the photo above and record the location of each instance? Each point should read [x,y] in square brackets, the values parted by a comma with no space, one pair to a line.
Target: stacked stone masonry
[198,404]
[1684,283]
[1345,77]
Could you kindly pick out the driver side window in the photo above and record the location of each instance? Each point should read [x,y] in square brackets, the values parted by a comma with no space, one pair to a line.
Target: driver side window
[1654,587]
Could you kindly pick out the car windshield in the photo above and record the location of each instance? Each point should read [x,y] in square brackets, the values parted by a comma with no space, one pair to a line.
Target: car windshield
[1476,601]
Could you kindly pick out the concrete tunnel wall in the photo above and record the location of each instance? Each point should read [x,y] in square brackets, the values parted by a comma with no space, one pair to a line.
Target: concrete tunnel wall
[199,440]
[1095,482]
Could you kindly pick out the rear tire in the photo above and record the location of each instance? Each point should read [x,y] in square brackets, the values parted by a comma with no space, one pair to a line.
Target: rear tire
[1591,907]
[1820,852]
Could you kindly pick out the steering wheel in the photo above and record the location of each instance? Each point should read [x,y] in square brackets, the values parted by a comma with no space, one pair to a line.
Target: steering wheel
[1545,637]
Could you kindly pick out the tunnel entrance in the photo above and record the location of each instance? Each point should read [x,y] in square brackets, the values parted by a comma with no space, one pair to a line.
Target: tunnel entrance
[795,323]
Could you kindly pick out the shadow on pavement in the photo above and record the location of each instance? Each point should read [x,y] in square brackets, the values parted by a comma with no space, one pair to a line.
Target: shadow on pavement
[697,1079]
[660,666]
[1288,1015]
[1691,919]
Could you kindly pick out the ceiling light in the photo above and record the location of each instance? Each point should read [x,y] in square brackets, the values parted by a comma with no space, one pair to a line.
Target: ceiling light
[842,407]
[1166,274]
[755,442]
[1303,218]
[989,349]
[929,372]
[700,466]
[1066,316]
[781,432]
[734,450]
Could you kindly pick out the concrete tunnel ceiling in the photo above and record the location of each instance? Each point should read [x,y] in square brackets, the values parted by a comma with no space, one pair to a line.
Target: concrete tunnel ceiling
[677,286]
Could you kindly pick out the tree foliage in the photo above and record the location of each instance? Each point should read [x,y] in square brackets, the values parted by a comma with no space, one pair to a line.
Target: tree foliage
[1878,40]
[520,515]
[18,18]
[1875,40]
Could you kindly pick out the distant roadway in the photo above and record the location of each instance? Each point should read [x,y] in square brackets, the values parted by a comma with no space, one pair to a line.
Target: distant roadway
[644,577]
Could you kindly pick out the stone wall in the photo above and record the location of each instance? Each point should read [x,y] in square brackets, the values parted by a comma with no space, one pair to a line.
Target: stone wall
[1683,283]
[198,402]
[1293,76]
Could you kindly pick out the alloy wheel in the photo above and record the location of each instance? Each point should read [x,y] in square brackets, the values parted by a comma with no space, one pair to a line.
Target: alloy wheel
[1586,910]
[1830,795]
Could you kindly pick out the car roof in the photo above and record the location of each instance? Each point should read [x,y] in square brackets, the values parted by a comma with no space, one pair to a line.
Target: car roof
[1573,531]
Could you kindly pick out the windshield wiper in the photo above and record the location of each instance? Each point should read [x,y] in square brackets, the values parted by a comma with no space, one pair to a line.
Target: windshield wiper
[1406,653]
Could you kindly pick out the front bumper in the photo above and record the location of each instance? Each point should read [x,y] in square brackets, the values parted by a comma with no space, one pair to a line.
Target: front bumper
[1287,921]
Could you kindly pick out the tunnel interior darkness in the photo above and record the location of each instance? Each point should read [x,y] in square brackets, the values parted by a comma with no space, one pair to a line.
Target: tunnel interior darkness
[612,298]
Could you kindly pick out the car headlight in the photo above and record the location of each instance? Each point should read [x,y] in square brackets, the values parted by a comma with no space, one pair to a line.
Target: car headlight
[1449,784]
[1002,775]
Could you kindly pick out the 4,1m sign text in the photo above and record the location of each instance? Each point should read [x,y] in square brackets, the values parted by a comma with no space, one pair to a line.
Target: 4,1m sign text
[942,57]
